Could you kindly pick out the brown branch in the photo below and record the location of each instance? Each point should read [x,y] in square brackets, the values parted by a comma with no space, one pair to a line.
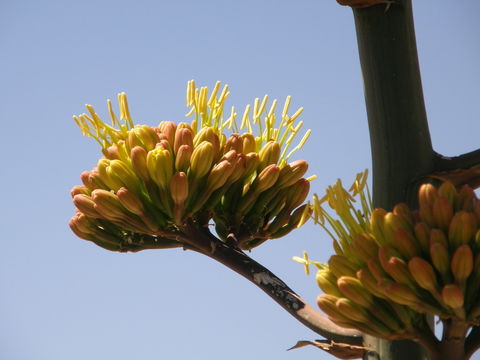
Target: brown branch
[460,170]
[472,343]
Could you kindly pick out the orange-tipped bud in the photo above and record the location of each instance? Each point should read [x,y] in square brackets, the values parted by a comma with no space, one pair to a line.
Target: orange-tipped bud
[393,223]
[139,162]
[404,212]
[249,144]
[297,193]
[462,263]
[452,295]
[269,154]
[108,205]
[376,268]
[427,195]
[182,160]
[86,205]
[239,166]
[442,212]
[398,270]
[462,228]
[179,187]
[353,289]
[327,282]
[353,311]
[385,252]
[466,199]
[399,293]
[251,163]
[448,190]
[327,304]
[80,227]
[406,243]
[201,160]
[422,234]
[370,283]
[365,246]
[291,173]
[168,128]
[183,136]
[423,273]
[207,134]
[130,201]
[266,179]
[440,257]
[438,236]
[79,189]
[341,266]
[234,142]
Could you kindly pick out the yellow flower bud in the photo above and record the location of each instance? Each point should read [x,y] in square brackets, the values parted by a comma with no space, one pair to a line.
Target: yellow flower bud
[353,289]
[291,173]
[376,269]
[427,195]
[341,266]
[353,311]
[269,154]
[124,174]
[423,273]
[81,227]
[219,175]
[251,164]
[142,135]
[249,144]
[160,166]
[327,282]
[201,159]
[448,190]
[377,221]
[105,174]
[462,263]
[327,304]
[392,223]
[207,134]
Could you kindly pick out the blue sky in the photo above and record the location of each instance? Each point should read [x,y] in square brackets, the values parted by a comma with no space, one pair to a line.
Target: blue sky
[64,298]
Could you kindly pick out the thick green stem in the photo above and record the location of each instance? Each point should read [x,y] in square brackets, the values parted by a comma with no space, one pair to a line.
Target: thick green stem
[400,140]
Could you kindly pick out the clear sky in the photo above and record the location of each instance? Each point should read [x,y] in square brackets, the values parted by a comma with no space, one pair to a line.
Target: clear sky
[64,298]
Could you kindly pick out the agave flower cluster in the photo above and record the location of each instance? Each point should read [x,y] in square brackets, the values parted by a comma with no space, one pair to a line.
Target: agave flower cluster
[392,268]
[154,182]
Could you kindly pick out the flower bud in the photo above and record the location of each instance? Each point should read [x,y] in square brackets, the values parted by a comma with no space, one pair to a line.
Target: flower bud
[251,163]
[139,162]
[399,293]
[385,252]
[201,159]
[398,270]
[448,190]
[353,311]
[393,223]
[79,189]
[462,263]
[168,128]
[466,199]
[462,228]
[291,173]
[239,166]
[376,269]
[234,142]
[341,266]
[179,187]
[182,160]
[327,282]
[207,134]
[327,304]
[353,289]
[406,244]
[365,246]
[297,193]
[377,221]
[183,136]
[105,173]
[130,201]
[422,234]
[219,175]
[86,205]
[160,166]
[108,205]
[370,283]
[442,212]
[249,144]
[452,295]
[440,257]
[427,195]
[124,174]
[81,227]
[269,154]
[423,273]
[266,179]
[142,135]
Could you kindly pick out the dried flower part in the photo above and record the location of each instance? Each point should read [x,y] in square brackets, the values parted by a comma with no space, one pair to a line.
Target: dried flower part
[156,181]
[410,262]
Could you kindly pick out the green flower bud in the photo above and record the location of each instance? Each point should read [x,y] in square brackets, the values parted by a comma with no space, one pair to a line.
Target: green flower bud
[404,212]
[269,154]
[423,273]
[393,223]
[201,159]
[353,289]
[462,263]
[160,166]
[239,167]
